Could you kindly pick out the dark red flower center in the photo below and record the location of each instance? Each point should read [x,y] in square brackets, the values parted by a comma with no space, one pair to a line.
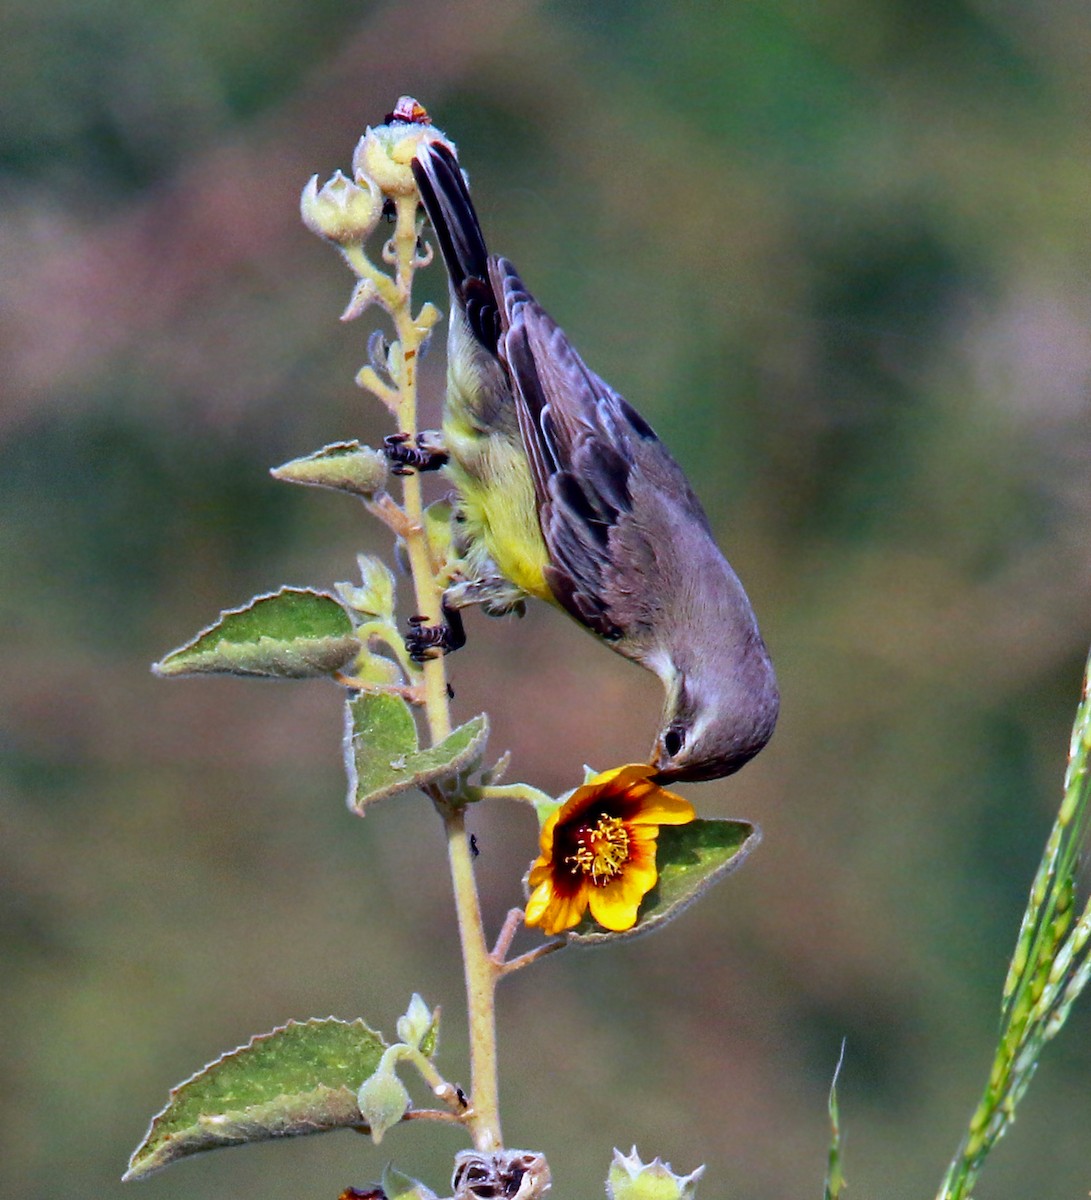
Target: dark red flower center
[598,847]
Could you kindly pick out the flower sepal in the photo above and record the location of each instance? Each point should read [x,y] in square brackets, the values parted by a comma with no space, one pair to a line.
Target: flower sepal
[382,1097]
[631,1179]
[341,211]
[398,1186]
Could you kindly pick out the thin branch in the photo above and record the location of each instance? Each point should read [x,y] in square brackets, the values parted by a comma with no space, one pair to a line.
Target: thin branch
[506,935]
[524,960]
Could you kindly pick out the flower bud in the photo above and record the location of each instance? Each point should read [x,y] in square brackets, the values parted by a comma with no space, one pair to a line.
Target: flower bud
[341,211]
[385,154]
[417,1024]
[630,1179]
[383,1102]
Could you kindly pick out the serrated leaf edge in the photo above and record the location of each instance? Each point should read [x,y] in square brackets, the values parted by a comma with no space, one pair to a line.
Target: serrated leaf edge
[313,1022]
[287,589]
[449,769]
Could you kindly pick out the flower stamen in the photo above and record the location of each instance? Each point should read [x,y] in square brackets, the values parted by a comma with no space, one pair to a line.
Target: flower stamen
[603,849]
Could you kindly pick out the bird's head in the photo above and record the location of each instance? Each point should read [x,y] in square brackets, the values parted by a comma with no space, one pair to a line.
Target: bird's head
[715,721]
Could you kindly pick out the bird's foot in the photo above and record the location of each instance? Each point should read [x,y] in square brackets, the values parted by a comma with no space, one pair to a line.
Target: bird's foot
[496,595]
[425,452]
[424,641]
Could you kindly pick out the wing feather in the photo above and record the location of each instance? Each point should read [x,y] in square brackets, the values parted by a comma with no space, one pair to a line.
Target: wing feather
[588,451]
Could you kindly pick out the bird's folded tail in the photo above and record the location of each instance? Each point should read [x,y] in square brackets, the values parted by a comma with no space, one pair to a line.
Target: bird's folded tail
[447,202]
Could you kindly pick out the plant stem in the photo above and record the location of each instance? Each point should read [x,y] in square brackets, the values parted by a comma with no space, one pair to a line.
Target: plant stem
[483,1118]
[410,336]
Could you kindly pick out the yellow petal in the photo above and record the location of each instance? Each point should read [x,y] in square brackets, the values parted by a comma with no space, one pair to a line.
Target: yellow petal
[629,774]
[663,808]
[545,838]
[556,912]
[569,911]
[640,871]
[539,871]
[539,901]
[615,906]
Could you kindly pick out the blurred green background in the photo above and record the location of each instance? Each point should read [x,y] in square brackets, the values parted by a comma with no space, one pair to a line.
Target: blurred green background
[838,255]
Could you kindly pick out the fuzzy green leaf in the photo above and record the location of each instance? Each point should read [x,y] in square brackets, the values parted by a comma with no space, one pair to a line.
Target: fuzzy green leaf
[301,1078]
[690,858]
[374,595]
[296,633]
[345,466]
[382,757]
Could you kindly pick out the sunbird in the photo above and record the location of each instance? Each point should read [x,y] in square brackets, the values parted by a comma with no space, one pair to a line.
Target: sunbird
[566,494]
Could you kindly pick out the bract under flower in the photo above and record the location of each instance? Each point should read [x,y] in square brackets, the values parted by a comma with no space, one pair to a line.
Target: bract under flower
[598,850]
[631,1179]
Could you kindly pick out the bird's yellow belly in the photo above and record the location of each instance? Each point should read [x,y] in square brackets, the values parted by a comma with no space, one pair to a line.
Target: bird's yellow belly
[497,501]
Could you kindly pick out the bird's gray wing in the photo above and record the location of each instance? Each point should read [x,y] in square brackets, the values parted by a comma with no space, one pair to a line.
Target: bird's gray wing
[606,486]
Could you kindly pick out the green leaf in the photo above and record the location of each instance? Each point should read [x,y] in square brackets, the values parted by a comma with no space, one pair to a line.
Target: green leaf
[301,1078]
[835,1176]
[429,1044]
[374,596]
[296,633]
[382,757]
[690,858]
[345,466]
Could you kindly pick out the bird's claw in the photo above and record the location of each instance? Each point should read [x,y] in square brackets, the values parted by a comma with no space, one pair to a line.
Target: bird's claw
[425,452]
[424,641]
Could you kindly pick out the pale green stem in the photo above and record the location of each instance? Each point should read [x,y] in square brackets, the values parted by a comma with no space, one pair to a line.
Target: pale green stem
[481,975]
[422,568]
[516,791]
[441,1088]
[483,1118]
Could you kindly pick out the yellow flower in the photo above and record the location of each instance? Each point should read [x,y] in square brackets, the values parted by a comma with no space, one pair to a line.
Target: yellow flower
[598,850]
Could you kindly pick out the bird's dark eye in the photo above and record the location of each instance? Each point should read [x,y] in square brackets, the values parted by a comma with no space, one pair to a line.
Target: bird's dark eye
[673,741]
